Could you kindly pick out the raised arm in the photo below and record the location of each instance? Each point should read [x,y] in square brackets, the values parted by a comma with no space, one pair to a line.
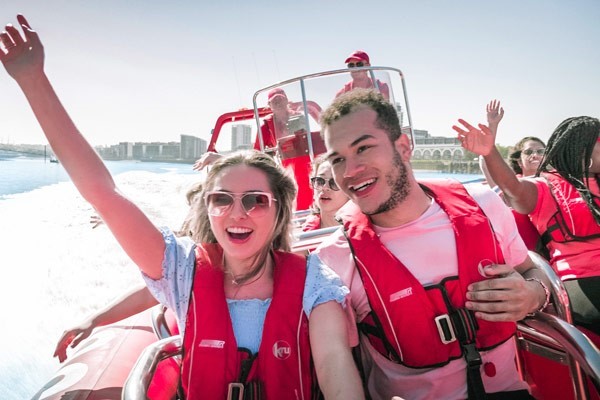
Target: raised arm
[520,194]
[23,58]
[494,114]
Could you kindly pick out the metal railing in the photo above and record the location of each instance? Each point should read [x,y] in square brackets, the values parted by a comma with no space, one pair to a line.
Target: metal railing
[139,379]
[555,338]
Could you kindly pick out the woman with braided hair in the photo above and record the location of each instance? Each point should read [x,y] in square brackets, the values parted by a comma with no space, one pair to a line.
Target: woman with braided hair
[563,202]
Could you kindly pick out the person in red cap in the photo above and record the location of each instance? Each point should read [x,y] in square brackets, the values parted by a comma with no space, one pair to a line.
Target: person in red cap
[361,79]
[273,128]
[275,125]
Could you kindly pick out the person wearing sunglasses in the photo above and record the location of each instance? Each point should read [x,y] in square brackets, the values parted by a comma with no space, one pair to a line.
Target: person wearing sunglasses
[327,197]
[562,200]
[361,79]
[235,287]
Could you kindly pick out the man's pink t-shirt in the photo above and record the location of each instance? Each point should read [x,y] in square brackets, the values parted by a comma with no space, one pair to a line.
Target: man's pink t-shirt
[427,248]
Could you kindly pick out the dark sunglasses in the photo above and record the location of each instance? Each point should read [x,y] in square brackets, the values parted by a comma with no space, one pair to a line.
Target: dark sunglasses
[318,183]
[357,64]
[528,152]
[254,203]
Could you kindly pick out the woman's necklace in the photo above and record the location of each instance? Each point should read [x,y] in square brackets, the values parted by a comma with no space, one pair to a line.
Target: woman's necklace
[235,280]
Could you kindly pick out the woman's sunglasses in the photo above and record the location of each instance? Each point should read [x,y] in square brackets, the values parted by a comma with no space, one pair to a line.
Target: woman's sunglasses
[357,64]
[318,183]
[528,152]
[219,203]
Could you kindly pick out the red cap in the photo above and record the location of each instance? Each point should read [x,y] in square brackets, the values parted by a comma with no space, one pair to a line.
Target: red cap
[358,55]
[276,92]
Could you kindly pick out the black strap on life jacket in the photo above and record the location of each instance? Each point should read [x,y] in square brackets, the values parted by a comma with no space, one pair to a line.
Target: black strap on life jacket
[361,371]
[241,389]
[464,326]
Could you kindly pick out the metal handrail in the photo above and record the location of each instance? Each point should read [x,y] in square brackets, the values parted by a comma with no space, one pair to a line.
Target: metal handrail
[552,331]
[139,379]
[576,363]
[159,322]
[317,232]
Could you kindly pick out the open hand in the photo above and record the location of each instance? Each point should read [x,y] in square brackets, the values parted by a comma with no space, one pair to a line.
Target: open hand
[479,141]
[494,114]
[22,55]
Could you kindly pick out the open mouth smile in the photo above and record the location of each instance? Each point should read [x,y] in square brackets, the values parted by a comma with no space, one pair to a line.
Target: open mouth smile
[239,233]
[362,185]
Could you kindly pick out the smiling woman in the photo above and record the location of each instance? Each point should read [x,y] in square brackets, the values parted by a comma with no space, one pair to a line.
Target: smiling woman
[248,200]
[526,156]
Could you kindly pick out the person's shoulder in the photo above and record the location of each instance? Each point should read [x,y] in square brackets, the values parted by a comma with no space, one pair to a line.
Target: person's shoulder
[478,189]
[333,242]
[483,194]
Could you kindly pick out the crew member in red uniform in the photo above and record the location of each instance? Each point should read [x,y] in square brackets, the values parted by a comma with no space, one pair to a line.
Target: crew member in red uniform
[275,131]
[361,79]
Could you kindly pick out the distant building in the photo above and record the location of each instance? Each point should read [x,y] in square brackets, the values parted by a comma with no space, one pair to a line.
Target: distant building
[192,147]
[429,147]
[157,151]
[241,137]
[189,149]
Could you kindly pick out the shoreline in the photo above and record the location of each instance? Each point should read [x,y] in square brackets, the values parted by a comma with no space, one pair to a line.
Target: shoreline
[433,166]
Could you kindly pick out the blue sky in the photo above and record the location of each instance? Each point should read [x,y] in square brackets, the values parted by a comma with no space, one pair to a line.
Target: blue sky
[152,70]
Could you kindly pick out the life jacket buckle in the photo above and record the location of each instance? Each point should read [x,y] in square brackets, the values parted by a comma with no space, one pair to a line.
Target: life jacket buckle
[472,356]
[445,329]
[235,391]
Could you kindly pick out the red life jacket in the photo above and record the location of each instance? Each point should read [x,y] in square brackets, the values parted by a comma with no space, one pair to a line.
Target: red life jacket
[383,88]
[312,222]
[573,220]
[415,325]
[213,364]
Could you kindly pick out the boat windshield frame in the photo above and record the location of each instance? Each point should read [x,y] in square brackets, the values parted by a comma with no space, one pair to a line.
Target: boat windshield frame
[408,129]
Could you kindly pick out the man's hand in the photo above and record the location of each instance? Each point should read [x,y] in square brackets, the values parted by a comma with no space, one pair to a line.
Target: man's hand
[505,296]
[479,141]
